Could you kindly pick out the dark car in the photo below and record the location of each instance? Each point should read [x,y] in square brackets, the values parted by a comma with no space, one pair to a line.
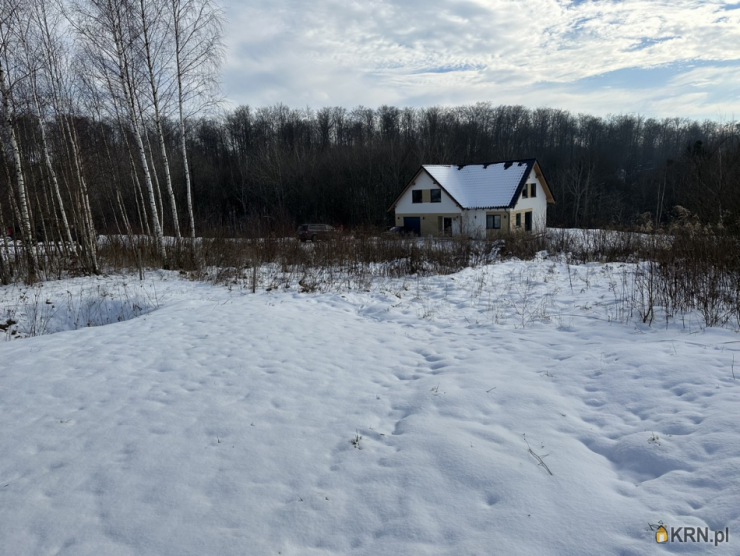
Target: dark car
[315,231]
[402,231]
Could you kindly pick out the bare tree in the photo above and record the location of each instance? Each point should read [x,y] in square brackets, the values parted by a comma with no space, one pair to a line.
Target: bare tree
[40,51]
[110,30]
[153,31]
[10,16]
[579,181]
[59,77]
[196,28]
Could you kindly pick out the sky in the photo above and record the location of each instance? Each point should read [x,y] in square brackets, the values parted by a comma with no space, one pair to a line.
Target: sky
[657,58]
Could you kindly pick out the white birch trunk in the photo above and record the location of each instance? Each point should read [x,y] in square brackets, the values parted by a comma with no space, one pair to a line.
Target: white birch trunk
[141,209]
[158,119]
[124,216]
[143,217]
[20,182]
[4,251]
[87,222]
[81,210]
[128,92]
[188,188]
[52,172]
[154,173]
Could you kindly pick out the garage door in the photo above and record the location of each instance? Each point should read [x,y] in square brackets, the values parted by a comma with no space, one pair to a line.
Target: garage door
[413,222]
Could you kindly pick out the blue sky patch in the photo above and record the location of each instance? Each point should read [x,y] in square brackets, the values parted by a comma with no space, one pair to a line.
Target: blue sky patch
[634,78]
[453,68]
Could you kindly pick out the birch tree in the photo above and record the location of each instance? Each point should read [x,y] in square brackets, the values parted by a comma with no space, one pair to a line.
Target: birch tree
[153,33]
[59,77]
[196,28]
[33,42]
[10,16]
[110,28]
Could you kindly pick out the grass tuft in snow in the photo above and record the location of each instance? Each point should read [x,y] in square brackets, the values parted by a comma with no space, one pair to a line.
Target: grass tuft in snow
[28,311]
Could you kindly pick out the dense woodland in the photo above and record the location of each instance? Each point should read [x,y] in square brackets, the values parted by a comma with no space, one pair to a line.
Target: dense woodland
[111,123]
[347,166]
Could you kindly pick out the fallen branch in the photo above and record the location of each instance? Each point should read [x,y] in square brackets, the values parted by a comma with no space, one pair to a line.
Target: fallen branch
[538,458]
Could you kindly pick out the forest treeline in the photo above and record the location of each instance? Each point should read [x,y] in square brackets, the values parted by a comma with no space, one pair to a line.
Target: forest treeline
[110,123]
[262,170]
[348,165]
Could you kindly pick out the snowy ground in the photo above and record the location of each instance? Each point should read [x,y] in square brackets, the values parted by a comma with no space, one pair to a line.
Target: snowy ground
[402,420]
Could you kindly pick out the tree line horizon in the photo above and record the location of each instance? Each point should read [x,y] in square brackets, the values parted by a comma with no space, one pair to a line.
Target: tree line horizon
[287,166]
[346,166]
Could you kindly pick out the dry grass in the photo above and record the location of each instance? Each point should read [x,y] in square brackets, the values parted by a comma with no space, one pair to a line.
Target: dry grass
[687,268]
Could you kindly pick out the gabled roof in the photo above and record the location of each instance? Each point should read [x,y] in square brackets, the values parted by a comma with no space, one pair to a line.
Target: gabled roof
[494,185]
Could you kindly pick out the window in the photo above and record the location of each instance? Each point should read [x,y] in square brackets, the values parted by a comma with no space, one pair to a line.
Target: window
[416,196]
[533,190]
[493,222]
[518,219]
[525,190]
[436,195]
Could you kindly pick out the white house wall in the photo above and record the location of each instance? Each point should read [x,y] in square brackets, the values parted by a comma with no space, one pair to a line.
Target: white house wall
[537,205]
[474,223]
[424,181]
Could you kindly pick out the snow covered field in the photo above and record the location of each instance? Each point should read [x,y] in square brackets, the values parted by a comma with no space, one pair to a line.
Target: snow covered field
[518,408]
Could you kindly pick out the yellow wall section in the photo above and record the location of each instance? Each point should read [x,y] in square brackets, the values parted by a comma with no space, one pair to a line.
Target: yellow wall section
[521,227]
[431,224]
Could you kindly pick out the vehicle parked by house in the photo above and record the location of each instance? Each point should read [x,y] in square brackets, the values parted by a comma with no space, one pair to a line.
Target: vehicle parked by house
[315,232]
[401,231]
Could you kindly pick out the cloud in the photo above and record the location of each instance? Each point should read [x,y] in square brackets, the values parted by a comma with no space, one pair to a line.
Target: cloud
[422,52]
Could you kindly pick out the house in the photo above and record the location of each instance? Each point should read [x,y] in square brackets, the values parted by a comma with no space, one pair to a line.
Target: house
[474,199]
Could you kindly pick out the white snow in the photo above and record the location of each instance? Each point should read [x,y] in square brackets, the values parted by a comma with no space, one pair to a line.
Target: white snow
[392,421]
[481,185]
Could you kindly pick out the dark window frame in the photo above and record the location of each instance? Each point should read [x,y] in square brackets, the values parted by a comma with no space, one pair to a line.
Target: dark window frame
[525,191]
[416,196]
[518,220]
[495,219]
[533,192]
[437,193]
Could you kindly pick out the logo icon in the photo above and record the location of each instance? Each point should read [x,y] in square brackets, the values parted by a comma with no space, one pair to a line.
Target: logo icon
[661,535]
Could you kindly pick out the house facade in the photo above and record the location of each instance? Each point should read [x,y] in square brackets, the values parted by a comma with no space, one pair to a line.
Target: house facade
[476,200]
